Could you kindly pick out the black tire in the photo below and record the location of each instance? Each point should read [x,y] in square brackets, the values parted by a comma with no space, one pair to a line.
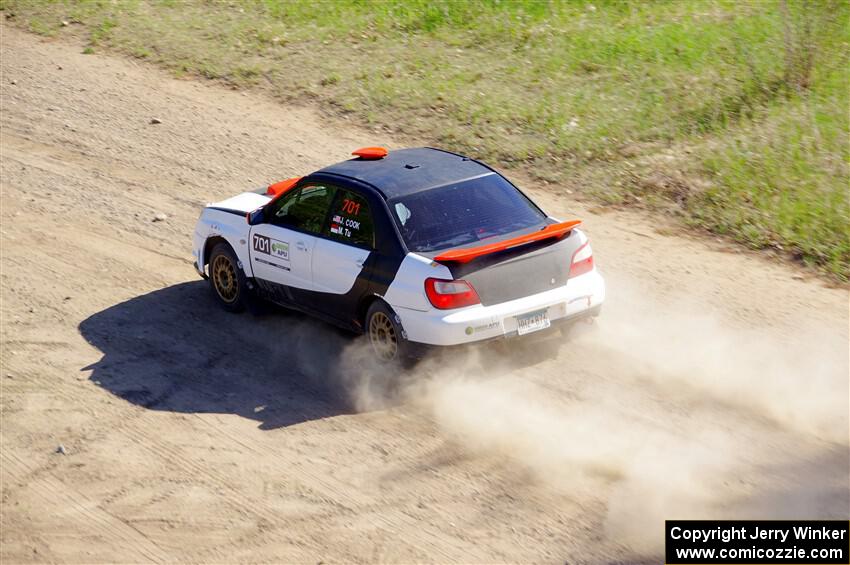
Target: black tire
[227,281]
[386,336]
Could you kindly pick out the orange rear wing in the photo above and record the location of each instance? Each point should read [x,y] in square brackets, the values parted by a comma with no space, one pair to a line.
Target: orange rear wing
[468,254]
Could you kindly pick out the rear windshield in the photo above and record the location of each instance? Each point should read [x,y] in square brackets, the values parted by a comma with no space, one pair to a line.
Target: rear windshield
[463,213]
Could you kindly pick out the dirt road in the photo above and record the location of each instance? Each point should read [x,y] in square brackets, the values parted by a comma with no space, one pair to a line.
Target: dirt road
[715,383]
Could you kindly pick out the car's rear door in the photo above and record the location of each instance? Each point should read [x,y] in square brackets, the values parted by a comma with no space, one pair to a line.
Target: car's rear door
[282,247]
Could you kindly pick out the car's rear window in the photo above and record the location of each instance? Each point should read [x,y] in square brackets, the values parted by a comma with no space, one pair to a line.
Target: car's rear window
[463,213]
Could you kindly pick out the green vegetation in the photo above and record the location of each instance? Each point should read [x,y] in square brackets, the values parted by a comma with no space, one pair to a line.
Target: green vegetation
[732,114]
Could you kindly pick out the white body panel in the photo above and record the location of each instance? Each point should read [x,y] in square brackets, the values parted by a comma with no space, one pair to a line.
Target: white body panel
[282,256]
[245,202]
[407,291]
[479,322]
[232,227]
[336,266]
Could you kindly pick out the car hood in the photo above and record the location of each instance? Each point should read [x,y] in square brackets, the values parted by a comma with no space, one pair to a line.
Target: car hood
[243,203]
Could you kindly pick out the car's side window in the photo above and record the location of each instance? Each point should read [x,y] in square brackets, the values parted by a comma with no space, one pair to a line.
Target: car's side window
[279,209]
[305,209]
[351,220]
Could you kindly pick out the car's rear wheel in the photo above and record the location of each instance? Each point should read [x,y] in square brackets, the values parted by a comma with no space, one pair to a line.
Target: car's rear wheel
[226,278]
[386,335]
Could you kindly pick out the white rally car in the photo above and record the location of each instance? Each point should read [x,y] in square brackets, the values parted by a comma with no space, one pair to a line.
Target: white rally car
[413,247]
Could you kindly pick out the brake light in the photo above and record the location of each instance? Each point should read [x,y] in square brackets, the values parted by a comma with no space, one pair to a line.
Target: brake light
[582,260]
[448,294]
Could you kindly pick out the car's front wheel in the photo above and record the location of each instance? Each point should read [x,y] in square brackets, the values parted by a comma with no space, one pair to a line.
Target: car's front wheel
[226,278]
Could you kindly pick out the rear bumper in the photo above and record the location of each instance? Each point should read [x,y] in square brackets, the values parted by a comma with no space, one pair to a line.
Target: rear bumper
[582,296]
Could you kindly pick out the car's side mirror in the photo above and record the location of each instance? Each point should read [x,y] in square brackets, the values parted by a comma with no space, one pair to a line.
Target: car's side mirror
[255,216]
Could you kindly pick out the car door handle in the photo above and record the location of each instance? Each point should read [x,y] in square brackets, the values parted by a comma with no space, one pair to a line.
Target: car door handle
[301,246]
[360,262]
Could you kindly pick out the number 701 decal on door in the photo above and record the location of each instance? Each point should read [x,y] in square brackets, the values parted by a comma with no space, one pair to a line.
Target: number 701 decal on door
[271,246]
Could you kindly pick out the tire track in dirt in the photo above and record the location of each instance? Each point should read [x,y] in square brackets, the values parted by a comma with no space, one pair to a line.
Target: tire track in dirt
[55,493]
[326,489]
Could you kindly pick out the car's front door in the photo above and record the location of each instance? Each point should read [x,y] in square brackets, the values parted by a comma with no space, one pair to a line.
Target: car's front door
[282,246]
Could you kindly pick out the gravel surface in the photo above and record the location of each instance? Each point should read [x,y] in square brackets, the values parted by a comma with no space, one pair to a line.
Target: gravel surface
[714,384]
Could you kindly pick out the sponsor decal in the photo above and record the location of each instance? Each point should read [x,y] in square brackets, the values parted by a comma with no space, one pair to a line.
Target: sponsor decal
[280,249]
[483,327]
[271,264]
[270,246]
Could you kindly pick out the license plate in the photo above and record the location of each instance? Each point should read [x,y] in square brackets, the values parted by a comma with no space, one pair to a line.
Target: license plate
[532,322]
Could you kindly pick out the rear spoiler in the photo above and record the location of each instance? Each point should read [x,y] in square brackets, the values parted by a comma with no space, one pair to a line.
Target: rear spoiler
[468,254]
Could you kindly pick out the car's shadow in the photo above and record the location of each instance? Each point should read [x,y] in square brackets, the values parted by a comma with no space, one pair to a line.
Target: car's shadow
[174,349]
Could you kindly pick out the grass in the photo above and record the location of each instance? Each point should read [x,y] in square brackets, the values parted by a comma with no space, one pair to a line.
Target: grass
[732,115]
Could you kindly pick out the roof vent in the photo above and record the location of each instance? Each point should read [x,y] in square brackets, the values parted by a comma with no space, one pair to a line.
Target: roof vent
[370,153]
[411,166]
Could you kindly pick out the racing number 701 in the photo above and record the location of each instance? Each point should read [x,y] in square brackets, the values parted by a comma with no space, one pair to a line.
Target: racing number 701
[262,244]
[350,207]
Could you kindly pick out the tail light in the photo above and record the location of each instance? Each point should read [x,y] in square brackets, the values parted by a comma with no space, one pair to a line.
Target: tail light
[446,294]
[582,260]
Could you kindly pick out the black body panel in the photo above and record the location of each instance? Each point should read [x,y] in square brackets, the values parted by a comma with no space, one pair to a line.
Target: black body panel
[345,310]
[404,171]
[519,272]
[228,210]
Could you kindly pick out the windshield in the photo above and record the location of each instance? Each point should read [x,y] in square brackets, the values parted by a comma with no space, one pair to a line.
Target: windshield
[463,213]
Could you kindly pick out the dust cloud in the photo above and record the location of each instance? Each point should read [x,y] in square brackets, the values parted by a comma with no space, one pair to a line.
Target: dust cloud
[800,383]
[581,447]
[658,410]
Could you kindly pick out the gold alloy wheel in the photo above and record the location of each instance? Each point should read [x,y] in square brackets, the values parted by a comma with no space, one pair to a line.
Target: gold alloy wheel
[382,335]
[224,278]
